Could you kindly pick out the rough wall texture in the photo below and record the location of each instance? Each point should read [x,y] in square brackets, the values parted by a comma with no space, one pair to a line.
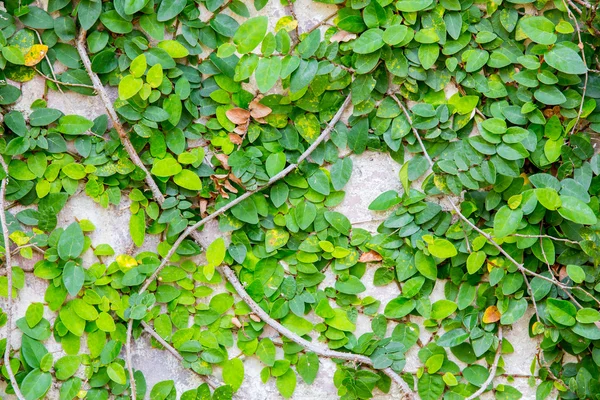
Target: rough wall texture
[373,173]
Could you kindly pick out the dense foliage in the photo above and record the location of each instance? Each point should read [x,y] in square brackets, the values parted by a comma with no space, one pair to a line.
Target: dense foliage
[491,107]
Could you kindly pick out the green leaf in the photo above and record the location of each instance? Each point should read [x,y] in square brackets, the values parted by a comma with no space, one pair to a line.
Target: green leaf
[304,75]
[250,34]
[132,6]
[36,384]
[73,277]
[154,77]
[576,273]
[561,311]
[71,241]
[305,214]
[319,182]
[399,307]
[170,9]
[565,60]
[174,48]
[475,261]
[34,314]
[385,201]
[138,66]
[308,367]
[442,309]
[352,285]
[430,386]
[66,367]
[137,227]
[413,5]
[308,126]
[166,167]
[506,221]
[275,163]
[516,309]
[369,41]
[577,211]
[233,373]
[539,29]
[341,171]
[13,55]
[115,23]
[215,253]
[266,352]
[74,125]
[426,265]
[442,248]
[188,179]
[267,73]
[286,383]
[129,87]
[246,211]
[88,12]
[116,373]
[548,197]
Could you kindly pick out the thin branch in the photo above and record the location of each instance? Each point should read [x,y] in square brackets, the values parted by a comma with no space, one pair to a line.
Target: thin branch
[63,83]
[8,266]
[211,381]
[314,27]
[49,64]
[545,236]
[218,11]
[581,48]
[409,119]
[493,368]
[129,361]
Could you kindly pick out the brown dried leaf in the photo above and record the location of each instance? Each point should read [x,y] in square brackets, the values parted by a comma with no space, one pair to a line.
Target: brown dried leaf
[370,256]
[255,318]
[203,206]
[230,187]
[562,273]
[223,159]
[238,116]
[235,138]
[343,36]
[235,179]
[258,110]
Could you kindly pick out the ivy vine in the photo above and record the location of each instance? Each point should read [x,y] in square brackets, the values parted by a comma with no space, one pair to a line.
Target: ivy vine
[216,113]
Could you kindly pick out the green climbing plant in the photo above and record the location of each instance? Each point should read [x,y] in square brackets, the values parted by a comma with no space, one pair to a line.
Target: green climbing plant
[217,113]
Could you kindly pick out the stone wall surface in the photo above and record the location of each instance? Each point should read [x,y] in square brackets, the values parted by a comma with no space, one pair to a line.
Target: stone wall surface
[373,174]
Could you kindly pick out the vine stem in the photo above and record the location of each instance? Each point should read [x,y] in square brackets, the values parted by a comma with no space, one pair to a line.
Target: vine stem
[81,49]
[493,369]
[8,267]
[192,231]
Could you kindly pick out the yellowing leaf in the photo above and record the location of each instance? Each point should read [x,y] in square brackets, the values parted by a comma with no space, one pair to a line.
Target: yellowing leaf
[126,262]
[35,54]
[491,315]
